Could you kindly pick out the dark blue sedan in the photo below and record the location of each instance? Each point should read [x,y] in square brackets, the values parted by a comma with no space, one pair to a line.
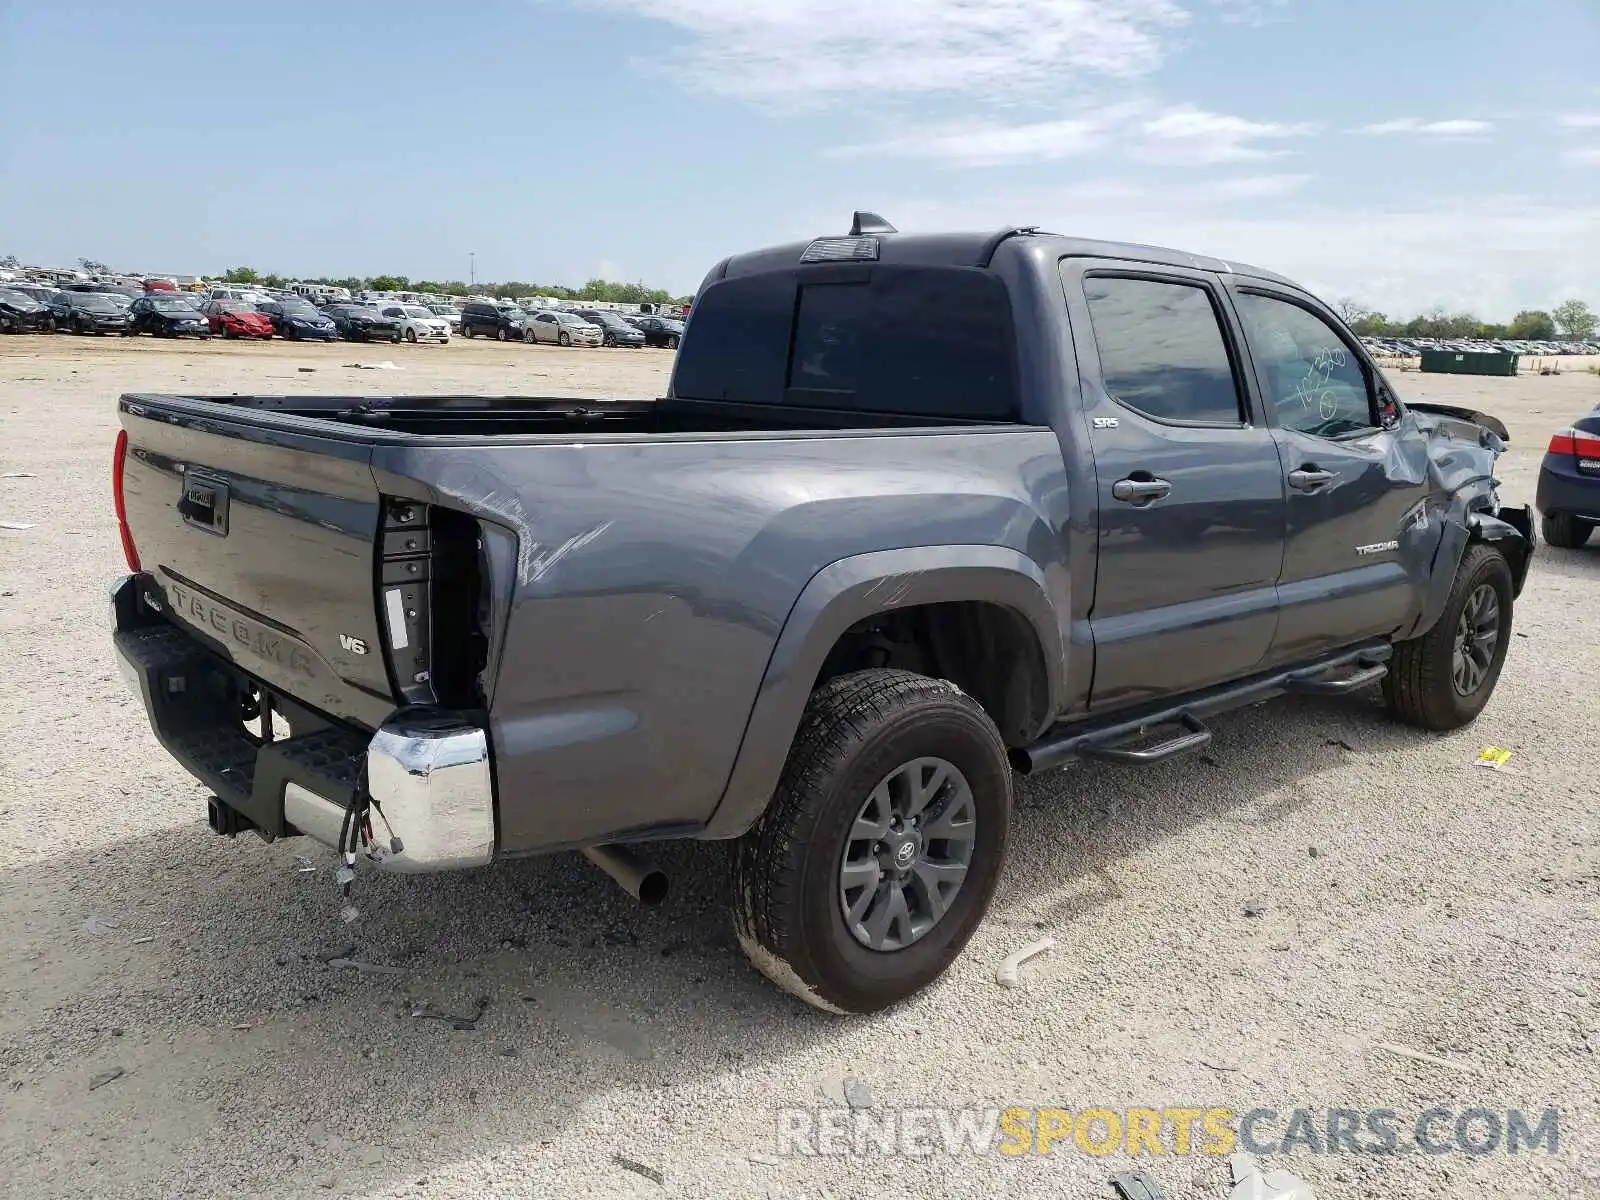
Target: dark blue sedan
[1569,484]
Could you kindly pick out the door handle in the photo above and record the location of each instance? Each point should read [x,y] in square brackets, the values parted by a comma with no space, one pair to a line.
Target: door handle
[1140,492]
[1310,478]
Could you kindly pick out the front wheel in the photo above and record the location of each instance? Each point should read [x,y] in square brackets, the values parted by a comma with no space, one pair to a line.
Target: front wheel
[564,339]
[500,334]
[411,336]
[1565,531]
[879,853]
[672,341]
[1442,680]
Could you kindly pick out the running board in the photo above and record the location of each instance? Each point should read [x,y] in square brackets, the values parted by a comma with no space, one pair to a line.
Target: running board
[1111,739]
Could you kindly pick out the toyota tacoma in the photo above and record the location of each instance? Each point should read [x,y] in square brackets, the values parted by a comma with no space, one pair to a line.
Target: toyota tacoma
[916,514]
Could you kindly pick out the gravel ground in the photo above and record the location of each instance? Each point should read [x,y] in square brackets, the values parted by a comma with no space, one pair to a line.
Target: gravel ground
[1408,898]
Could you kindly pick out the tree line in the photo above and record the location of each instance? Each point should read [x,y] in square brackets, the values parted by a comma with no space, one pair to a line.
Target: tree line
[1572,319]
[594,289]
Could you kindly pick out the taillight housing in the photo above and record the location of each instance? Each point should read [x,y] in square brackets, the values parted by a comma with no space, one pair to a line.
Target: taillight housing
[1581,444]
[129,550]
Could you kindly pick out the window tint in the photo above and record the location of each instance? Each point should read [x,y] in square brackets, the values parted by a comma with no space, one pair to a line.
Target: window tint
[827,337]
[1313,379]
[918,341]
[1162,351]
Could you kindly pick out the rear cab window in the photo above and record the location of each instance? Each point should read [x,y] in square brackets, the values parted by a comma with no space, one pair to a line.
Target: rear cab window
[935,342]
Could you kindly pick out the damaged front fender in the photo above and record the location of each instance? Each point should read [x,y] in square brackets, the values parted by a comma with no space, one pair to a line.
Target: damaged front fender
[1462,447]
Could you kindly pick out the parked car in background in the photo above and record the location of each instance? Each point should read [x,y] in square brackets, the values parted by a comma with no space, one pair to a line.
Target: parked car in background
[160,285]
[129,294]
[39,292]
[235,319]
[562,328]
[88,312]
[297,320]
[20,313]
[418,323]
[614,331]
[490,320]
[166,315]
[1568,497]
[450,313]
[358,323]
[659,331]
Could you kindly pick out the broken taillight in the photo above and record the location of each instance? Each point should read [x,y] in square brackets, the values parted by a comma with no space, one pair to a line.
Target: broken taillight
[129,550]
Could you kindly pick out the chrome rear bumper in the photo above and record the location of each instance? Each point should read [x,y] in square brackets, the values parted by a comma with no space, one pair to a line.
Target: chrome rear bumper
[428,773]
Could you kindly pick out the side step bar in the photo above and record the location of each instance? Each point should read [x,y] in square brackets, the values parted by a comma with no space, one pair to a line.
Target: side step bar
[1117,738]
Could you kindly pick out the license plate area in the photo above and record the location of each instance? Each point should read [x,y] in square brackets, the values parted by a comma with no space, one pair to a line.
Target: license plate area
[204,504]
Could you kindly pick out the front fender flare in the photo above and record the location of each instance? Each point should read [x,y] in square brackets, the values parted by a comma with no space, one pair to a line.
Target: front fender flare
[1511,532]
[849,591]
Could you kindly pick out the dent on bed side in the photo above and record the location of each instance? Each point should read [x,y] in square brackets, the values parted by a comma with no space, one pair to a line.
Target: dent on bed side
[849,591]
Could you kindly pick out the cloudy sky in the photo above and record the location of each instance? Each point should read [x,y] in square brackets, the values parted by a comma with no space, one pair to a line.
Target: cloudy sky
[1408,154]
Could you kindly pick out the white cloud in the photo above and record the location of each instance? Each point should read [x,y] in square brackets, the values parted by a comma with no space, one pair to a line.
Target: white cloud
[983,143]
[1581,121]
[1421,128]
[1400,259]
[1192,135]
[1180,136]
[804,53]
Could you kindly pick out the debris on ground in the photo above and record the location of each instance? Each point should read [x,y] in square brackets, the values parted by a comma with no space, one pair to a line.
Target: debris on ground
[1432,1060]
[639,1168]
[1493,757]
[1250,1184]
[104,1077]
[366,968]
[341,952]
[1137,1186]
[17,525]
[1339,742]
[1212,1066]
[143,941]
[1006,974]
[1314,851]
[303,865]
[764,1160]
[17,475]
[385,365]
[97,925]
[426,1012]
[306,370]
[857,1094]
[1255,908]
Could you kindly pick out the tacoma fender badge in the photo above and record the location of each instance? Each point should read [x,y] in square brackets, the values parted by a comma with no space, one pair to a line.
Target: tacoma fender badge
[353,644]
[1378,548]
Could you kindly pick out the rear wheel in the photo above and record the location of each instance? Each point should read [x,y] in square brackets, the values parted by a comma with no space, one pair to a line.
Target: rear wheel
[1565,531]
[880,851]
[1442,680]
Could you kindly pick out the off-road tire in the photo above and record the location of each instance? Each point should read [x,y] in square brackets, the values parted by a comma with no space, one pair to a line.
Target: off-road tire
[855,731]
[1565,531]
[1419,687]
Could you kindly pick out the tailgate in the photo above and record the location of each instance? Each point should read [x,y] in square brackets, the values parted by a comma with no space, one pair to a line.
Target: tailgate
[263,543]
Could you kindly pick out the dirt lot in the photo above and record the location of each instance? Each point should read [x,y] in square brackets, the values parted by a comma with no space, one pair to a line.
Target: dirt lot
[1410,899]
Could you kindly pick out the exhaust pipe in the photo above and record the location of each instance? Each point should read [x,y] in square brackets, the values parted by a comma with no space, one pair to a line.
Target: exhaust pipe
[636,875]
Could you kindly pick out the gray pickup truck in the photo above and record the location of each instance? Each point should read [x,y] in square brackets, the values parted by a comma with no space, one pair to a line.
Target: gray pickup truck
[917,513]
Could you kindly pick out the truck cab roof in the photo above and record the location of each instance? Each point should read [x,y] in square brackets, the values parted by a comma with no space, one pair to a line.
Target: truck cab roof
[977,249]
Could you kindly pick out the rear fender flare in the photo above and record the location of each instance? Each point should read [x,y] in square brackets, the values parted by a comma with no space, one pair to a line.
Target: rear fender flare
[849,591]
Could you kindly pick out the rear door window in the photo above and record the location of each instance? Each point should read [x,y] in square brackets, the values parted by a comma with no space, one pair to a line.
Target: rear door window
[1162,351]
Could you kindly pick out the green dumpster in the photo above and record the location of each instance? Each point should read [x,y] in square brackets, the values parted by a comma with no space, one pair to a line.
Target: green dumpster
[1469,362]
